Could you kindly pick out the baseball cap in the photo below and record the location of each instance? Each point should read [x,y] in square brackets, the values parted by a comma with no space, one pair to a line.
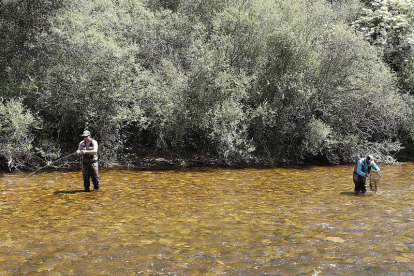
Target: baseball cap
[85,133]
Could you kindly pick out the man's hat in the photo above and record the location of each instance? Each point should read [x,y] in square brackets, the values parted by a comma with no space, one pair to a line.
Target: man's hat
[370,158]
[85,133]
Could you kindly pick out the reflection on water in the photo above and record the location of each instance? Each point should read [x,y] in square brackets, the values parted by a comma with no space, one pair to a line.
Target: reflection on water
[281,221]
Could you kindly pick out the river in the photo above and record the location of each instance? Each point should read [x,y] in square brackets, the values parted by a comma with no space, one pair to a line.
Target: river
[302,220]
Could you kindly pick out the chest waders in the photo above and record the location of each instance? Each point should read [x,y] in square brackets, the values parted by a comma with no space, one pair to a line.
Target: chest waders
[359,180]
[90,168]
[87,158]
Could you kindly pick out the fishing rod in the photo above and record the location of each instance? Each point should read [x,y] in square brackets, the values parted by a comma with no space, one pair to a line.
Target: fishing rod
[50,164]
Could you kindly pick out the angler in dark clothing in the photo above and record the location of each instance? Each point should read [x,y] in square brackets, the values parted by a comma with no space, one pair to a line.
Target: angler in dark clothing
[88,150]
[361,171]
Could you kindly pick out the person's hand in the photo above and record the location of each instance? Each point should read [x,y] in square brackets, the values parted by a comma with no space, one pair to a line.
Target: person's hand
[78,152]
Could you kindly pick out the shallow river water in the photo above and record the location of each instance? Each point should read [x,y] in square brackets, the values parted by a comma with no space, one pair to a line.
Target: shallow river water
[273,221]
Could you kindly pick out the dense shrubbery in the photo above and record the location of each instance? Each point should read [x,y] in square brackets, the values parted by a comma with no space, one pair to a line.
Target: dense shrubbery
[285,80]
[16,139]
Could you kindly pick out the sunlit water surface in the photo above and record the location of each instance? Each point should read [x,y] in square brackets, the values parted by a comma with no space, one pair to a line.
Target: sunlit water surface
[279,221]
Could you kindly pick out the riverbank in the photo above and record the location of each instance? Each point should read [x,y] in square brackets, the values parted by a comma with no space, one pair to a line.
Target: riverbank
[147,161]
[154,160]
[161,162]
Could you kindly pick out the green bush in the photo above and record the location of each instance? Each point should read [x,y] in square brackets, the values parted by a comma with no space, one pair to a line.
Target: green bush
[16,125]
[320,78]
[287,79]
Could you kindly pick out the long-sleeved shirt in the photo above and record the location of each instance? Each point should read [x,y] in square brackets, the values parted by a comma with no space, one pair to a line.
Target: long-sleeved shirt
[362,164]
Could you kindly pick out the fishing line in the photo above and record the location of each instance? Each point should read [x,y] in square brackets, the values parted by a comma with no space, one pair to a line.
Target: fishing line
[49,165]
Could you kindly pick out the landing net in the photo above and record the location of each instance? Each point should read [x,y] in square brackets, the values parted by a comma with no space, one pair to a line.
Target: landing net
[374,179]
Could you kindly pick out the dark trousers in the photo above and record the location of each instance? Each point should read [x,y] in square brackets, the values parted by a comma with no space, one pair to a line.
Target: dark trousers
[90,171]
[360,183]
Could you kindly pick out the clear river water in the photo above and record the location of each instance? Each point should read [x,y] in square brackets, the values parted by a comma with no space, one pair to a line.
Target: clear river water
[302,220]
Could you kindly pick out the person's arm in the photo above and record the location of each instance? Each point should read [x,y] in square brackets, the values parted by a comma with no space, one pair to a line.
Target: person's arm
[95,148]
[78,152]
[375,167]
[359,169]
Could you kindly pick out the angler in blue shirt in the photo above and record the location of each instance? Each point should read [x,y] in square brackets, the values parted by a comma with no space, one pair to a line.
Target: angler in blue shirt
[361,171]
